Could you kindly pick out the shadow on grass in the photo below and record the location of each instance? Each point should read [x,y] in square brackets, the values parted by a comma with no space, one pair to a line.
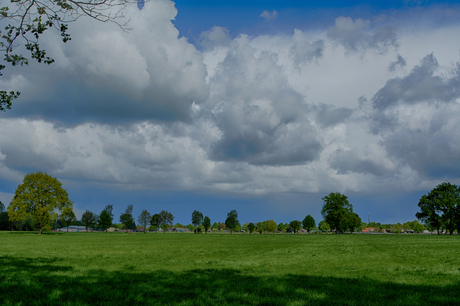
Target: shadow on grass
[45,282]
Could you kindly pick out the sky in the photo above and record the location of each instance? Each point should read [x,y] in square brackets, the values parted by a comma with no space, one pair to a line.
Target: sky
[260,106]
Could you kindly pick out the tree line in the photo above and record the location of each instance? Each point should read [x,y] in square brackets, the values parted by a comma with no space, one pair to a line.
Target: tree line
[40,203]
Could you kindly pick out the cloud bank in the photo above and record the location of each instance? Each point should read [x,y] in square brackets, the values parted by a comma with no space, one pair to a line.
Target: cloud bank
[356,106]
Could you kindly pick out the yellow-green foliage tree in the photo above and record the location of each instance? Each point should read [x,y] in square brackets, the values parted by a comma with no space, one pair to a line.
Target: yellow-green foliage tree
[41,196]
[271,226]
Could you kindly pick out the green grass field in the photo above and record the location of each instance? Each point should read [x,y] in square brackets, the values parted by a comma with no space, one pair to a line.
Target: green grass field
[222,269]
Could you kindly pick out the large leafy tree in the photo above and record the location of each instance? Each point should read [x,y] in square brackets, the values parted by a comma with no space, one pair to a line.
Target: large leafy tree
[89,218]
[206,224]
[40,195]
[439,208]
[127,217]
[106,217]
[308,223]
[232,220]
[144,218]
[166,219]
[335,211]
[197,218]
[25,21]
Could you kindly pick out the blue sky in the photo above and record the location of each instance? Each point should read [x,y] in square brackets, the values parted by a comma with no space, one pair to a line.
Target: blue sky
[260,106]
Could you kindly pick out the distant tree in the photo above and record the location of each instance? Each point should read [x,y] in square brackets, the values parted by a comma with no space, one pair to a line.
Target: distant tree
[324,226]
[221,226]
[271,226]
[281,227]
[295,225]
[353,222]
[68,217]
[166,219]
[251,227]
[335,211]
[144,219]
[308,223]
[232,220]
[40,195]
[215,225]
[206,224]
[106,217]
[237,227]
[440,206]
[127,217]
[2,207]
[89,219]
[260,227]
[5,224]
[155,221]
[197,218]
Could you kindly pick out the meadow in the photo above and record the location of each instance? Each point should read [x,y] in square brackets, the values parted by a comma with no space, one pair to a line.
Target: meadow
[223,269]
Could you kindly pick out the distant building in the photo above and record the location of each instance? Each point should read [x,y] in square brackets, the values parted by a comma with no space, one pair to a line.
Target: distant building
[368,229]
[73,228]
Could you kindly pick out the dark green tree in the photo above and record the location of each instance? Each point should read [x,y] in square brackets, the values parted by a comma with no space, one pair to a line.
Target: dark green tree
[127,218]
[197,218]
[41,196]
[155,221]
[206,224]
[308,223]
[295,225]
[232,220]
[106,217]
[335,211]
[166,219]
[89,219]
[2,207]
[353,222]
[251,227]
[439,207]
[144,219]
[5,224]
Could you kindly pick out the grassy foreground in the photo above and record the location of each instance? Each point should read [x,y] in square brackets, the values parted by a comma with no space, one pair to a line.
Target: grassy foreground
[222,269]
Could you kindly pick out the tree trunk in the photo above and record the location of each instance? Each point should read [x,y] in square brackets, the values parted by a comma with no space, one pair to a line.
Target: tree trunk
[39,228]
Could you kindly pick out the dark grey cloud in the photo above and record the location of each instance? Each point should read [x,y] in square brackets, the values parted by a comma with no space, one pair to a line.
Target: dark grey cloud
[354,161]
[352,36]
[399,63]
[261,118]
[329,115]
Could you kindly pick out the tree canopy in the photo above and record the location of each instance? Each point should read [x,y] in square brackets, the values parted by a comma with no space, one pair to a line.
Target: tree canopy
[232,220]
[144,219]
[295,225]
[127,218]
[206,224]
[336,212]
[308,223]
[106,217]
[441,207]
[89,218]
[197,218]
[40,195]
[68,216]
[27,20]
[166,219]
